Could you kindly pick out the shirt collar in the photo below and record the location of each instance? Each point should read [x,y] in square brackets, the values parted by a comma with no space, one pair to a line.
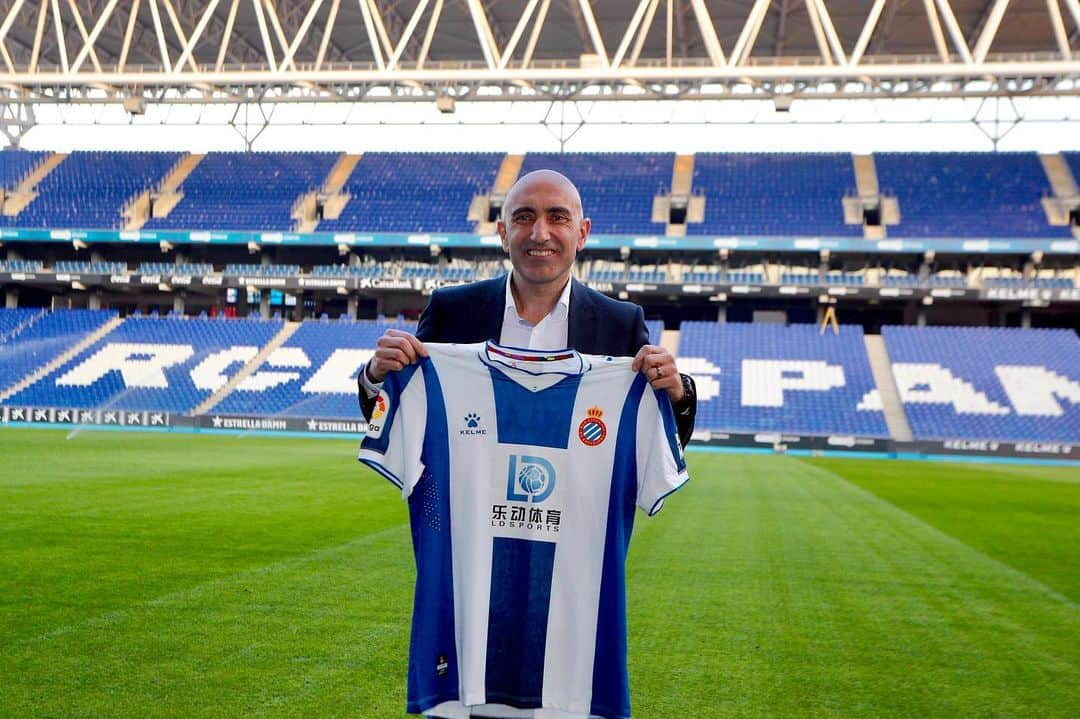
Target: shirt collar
[562,307]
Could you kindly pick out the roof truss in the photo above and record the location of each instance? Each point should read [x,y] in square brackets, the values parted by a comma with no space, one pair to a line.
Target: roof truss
[210,50]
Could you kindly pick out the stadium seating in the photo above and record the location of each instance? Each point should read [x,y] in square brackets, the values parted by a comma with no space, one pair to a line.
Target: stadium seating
[773,194]
[967,194]
[13,321]
[20,265]
[313,374]
[90,268]
[987,383]
[1039,283]
[772,378]
[414,192]
[370,270]
[44,340]
[169,268]
[246,190]
[148,363]
[17,164]
[263,270]
[88,190]
[617,188]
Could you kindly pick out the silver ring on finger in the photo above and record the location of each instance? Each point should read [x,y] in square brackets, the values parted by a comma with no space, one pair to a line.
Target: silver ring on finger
[659,373]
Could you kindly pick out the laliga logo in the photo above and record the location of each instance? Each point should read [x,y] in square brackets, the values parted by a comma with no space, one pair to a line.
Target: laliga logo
[529,479]
[592,430]
[380,407]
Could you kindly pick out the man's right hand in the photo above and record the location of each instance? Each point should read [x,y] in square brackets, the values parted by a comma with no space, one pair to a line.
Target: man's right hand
[394,351]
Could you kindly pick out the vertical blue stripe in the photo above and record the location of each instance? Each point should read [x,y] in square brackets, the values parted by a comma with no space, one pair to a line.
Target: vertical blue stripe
[524,419]
[517,620]
[670,430]
[395,384]
[433,666]
[611,685]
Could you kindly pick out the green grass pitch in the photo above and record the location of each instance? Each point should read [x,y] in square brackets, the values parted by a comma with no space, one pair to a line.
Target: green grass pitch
[159,575]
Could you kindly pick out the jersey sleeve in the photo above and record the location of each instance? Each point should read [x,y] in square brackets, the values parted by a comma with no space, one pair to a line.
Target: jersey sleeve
[661,467]
[395,436]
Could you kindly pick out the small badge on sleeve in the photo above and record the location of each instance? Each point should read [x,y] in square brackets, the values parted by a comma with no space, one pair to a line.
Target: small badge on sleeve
[378,414]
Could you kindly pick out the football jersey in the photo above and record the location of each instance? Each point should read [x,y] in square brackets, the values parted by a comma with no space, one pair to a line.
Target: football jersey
[522,471]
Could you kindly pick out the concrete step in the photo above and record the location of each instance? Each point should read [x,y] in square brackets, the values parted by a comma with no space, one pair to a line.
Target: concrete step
[59,361]
[1060,176]
[179,173]
[249,369]
[866,181]
[340,173]
[895,417]
[682,175]
[16,200]
[508,174]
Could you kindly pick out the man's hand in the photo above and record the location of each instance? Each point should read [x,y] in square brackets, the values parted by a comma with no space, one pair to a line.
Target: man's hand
[394,351]
[659,368]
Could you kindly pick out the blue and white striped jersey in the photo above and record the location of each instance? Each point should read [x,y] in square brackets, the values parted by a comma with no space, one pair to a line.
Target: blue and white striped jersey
[522,471]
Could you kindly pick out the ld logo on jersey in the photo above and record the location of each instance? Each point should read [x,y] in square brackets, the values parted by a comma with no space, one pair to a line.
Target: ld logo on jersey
[592,429]
[529,479]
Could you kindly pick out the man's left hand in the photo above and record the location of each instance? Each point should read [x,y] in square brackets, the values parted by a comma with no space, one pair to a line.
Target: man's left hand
[659,368]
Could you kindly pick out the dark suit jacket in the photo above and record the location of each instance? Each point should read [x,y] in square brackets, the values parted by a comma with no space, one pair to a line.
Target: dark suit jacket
[597,324]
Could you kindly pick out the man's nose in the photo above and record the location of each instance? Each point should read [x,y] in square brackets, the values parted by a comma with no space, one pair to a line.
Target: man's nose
[541,229]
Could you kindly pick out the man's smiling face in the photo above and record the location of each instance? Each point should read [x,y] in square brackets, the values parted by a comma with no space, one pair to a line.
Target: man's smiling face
[542,228]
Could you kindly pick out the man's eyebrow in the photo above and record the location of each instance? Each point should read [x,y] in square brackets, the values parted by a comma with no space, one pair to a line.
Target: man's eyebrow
[527,208]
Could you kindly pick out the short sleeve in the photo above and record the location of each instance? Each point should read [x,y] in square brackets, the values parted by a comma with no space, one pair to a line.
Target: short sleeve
[395,436]
[661,467]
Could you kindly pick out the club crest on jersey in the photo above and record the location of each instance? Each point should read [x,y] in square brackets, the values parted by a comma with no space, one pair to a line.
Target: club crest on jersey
[592,429]
[529,479]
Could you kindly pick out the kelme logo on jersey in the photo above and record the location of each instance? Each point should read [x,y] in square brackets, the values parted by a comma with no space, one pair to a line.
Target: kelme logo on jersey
[529,479]
[592,429]
[472,425]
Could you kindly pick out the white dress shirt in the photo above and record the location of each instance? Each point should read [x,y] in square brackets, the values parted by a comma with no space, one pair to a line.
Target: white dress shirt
[550,333]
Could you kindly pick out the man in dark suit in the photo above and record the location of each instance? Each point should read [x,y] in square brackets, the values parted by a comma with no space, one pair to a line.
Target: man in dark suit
[538,305]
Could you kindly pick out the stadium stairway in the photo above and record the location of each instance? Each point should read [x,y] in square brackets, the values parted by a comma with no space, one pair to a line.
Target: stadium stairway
[335,200]
[16,200]
[504,180]
[682,181]
[287,330]
[1066,193]
[169,194]
[73,351]
[895,418]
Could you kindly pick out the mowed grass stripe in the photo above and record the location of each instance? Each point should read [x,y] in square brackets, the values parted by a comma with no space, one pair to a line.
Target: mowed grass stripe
[768,588]
[1023,516]
[107,520]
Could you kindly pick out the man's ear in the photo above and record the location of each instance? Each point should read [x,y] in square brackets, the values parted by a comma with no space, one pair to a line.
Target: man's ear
[500,227]
[586,226]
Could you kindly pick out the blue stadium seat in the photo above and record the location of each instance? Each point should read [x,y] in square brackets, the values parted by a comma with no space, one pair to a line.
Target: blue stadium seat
[987,382]
[772,378]
[166,364]
[296,381]
[774,194]
[45,339]
[89,189]
[246,190]
[967,194]
[415,191]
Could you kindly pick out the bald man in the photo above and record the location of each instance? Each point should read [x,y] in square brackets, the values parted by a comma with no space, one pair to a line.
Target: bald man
[538,305]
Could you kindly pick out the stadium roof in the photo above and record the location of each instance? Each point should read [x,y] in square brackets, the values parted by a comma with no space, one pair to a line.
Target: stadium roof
[332,50]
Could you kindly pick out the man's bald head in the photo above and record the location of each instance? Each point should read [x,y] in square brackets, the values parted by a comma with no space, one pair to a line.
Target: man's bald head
[544,177]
